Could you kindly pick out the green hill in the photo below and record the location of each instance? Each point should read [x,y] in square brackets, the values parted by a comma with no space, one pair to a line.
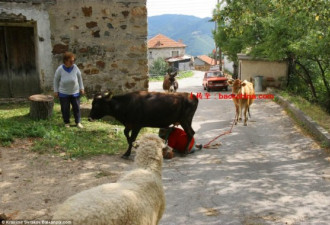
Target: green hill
[195,32]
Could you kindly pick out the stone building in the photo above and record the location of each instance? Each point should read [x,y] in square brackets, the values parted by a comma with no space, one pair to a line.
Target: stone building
[109,38]
[163,47]
[205,63]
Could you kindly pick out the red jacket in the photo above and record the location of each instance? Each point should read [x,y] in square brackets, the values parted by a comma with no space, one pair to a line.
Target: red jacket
[178,140]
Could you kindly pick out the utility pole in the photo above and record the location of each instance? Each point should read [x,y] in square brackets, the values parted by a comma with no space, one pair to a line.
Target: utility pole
[220,53]
[220,59]
[216,46]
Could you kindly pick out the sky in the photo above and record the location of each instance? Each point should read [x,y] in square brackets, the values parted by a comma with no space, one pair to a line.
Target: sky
[198,8]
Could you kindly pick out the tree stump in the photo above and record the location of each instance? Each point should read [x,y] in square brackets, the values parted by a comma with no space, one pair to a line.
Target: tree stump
[41,106]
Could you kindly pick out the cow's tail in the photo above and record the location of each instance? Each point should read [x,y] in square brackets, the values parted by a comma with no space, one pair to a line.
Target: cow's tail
[249,111]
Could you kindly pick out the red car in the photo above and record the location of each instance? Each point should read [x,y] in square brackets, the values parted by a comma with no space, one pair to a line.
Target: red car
[215,80]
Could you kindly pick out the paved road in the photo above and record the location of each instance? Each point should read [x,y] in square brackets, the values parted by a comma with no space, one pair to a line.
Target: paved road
[265,173]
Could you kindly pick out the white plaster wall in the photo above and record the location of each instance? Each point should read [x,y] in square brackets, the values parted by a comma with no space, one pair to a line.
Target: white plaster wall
[251,68]
[163,53]
[43,48]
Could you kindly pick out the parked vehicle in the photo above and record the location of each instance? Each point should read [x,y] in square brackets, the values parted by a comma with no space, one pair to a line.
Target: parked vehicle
[215,80]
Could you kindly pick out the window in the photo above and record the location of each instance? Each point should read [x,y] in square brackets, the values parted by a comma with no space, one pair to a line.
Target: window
[175,53]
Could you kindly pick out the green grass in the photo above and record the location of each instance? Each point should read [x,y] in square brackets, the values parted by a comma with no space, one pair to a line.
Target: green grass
[181,75]
[312,110]
[185,74]
[50,136]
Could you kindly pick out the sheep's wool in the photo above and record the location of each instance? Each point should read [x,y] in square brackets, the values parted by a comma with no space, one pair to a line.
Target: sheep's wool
[137,198]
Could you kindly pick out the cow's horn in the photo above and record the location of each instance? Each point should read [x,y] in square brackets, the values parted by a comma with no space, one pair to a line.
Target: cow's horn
[108,95]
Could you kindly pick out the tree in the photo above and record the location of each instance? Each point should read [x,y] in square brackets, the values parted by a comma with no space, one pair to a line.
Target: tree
[159,67]
[293,30]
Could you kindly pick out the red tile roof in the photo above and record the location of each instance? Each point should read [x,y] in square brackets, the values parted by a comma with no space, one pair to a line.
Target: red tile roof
[161,41]
[208,60]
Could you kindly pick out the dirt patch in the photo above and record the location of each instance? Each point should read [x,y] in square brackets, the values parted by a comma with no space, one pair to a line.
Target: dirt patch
[32,185]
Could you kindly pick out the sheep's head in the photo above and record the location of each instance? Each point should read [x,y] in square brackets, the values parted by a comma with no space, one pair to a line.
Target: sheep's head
[149,153]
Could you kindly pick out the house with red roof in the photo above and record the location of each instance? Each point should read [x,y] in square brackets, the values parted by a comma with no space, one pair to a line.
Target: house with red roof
[172,51]
[204,62]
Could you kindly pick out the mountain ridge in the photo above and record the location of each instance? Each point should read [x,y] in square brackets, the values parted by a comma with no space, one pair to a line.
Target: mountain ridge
[195,32]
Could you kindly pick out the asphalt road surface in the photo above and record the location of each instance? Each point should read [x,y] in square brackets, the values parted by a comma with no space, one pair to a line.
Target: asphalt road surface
[268,172]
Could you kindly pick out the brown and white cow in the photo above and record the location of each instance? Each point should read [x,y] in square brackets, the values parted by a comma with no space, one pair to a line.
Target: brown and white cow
[243,96]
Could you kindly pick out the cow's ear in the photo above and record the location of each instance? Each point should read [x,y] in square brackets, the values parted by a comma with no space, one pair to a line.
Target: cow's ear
[243,84]
[230,82]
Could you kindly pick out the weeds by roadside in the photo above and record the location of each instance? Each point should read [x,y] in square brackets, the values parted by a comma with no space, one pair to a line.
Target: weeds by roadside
[314,111]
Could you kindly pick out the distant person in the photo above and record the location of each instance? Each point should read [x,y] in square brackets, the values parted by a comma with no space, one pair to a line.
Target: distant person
[68,86]
[177,139]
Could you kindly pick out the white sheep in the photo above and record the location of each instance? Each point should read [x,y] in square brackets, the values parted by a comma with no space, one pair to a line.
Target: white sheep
[136,199]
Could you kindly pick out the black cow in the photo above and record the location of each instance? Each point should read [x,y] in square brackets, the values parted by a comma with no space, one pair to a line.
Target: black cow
[146,109]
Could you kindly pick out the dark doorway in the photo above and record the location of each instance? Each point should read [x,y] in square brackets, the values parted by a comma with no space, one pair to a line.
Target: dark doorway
[18,74]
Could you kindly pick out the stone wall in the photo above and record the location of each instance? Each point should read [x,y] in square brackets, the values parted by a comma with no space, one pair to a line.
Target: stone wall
[108,37]
[203,68]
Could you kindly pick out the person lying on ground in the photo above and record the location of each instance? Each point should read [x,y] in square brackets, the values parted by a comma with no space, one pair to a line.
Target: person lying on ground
[176,139]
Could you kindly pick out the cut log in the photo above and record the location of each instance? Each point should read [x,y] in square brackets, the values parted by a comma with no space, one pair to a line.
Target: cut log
[41,106]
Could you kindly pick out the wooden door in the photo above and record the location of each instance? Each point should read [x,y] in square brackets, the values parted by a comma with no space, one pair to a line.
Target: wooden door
[4,76]
[18,74]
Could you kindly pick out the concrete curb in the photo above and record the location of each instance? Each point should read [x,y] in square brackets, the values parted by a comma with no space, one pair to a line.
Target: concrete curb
[311,125]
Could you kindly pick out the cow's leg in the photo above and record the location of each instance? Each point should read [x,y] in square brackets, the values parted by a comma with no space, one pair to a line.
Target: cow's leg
[237,114]
[130,140]
[248,105]
[135,133]
[128,152]
[126,132]
[186,122]
[245,118]
[240,111]
[190,134]
[176,85]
